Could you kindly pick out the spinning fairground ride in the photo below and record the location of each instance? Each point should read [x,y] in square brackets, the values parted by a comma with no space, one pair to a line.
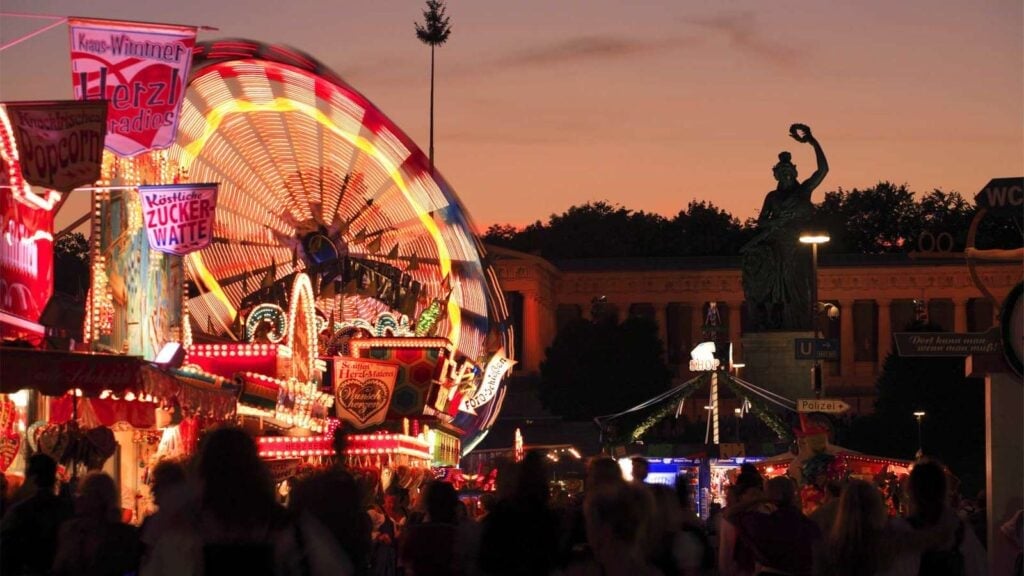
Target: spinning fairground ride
[342,269]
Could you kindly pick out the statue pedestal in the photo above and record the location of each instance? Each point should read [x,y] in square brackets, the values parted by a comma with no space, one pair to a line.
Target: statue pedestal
[770,359]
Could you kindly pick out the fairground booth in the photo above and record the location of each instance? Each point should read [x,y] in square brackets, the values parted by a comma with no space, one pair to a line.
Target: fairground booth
[801,446]
[283,258]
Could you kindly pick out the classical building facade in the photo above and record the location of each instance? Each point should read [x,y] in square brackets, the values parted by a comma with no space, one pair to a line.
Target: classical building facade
[873,295]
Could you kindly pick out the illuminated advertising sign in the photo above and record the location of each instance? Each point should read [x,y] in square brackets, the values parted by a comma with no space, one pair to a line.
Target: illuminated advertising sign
[140,70]
[362,390]
[26,256]
[137,289]
[179,217]
[497,366]
[60,143]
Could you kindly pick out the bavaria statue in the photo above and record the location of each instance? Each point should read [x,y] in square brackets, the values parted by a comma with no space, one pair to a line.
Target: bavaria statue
[776,267]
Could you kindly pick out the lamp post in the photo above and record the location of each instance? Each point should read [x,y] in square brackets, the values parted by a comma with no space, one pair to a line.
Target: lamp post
[920,447]
[739,414]
[815,238]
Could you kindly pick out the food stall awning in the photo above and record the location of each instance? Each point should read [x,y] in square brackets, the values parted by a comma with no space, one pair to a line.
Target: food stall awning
[54,373]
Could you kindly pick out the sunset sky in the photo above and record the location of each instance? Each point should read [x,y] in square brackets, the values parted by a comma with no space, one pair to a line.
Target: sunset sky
[543,104]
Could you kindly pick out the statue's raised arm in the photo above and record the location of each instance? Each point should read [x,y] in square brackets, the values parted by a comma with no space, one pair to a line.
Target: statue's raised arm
[802,133]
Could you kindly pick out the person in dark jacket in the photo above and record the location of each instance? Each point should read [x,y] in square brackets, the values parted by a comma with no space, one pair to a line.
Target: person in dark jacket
[28,533]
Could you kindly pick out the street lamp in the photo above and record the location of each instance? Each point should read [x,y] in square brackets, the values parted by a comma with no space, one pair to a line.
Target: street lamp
[739,414]
[815,238]
[920,449]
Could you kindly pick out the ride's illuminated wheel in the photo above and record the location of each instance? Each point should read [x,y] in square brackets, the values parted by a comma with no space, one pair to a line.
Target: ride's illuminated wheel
[315,179]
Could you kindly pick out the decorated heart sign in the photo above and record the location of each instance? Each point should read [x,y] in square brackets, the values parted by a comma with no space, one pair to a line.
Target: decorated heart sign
[363,398]
[9,447]
[10,440]
[363,389]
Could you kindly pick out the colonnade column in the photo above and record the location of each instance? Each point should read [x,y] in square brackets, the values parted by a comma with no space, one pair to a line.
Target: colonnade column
[697,311]
[531,333]
[735,328]
[661,317]
[846,343]
[960,315]
[884,330]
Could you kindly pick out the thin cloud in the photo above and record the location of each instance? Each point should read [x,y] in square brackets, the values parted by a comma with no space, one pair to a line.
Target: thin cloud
[584,49]
[742,31]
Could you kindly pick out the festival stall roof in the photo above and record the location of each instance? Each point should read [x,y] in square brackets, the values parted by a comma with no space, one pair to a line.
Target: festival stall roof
[55,373]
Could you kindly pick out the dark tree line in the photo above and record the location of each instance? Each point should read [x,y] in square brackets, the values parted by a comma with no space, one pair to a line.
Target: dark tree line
[885,218]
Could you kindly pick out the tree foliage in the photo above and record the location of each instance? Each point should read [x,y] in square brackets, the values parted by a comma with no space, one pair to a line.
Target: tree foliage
[71,264]
[885,218]
[870,221]
[954,420]
[436,26]
[597,368]
[603,230]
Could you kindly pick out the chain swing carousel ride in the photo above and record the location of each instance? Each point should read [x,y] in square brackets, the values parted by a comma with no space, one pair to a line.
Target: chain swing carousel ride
[344,277]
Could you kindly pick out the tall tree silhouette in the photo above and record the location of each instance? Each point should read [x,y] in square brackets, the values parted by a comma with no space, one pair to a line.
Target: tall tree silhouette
[434,31]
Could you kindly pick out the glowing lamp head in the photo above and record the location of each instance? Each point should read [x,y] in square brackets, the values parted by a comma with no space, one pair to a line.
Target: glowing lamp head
[814,238]
[172,355]
[703,352]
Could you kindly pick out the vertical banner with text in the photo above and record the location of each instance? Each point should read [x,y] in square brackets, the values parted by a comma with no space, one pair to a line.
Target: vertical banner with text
[26,256]
[141,70]
[60,144]
[497,366]
[179,217]
[362,390]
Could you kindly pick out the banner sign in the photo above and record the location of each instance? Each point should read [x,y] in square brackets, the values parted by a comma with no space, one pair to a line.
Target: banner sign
[179,217]
[26,256]
[140,70]
[54,373]
[939,344]
[1002,194]
[362,390]
[60,144]
[816,348]
[497,366]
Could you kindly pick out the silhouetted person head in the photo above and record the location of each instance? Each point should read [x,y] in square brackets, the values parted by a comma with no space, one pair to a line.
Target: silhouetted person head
[749,479]
[683,492]
[533,479]
[333,497]
[98,499]
[781,491]
[603,471]
[618,518]
[507,479]
[440,500]
[854,541]
[927,490]
[640,468]
[168,475]
[236,485]
[42,471]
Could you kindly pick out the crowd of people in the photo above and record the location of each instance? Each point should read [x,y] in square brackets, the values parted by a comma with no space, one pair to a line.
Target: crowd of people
[220,513]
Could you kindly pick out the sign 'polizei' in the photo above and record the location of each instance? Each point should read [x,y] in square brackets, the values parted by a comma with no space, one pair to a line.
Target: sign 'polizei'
[823,405]
[179,217]
[140,70]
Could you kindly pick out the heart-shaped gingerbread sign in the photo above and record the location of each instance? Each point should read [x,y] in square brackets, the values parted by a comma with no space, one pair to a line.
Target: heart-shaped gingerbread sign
[363,399]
